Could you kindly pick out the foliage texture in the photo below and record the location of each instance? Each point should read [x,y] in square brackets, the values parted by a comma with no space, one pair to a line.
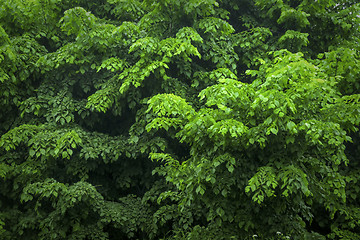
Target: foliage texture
[196,119]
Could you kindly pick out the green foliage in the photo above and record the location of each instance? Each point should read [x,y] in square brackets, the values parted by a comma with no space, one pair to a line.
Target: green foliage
[283,110]
[197,119]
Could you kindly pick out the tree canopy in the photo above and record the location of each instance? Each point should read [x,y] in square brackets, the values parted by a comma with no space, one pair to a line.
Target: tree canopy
[196,119]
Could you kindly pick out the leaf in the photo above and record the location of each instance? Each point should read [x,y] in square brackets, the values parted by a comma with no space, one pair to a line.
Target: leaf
[68,119]
[32,152]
